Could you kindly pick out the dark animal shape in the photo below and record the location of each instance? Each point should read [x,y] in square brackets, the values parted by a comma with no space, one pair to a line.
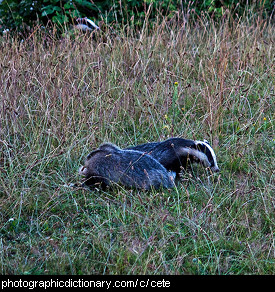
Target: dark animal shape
[109,164]
[174,153]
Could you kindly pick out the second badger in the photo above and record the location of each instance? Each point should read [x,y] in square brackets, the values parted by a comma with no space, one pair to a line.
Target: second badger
[174,153]
[109,164]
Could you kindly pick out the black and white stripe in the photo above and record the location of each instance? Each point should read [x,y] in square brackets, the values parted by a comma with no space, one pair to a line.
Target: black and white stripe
[205,153]
[86,24]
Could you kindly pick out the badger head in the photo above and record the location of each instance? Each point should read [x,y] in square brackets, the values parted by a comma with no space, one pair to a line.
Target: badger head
[207,155]
[86,24]
[83,170]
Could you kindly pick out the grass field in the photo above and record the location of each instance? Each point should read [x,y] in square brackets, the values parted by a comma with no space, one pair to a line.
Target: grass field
[61,98]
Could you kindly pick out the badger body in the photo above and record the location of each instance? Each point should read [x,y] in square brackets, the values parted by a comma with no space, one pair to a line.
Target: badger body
[174,153]
[109,164]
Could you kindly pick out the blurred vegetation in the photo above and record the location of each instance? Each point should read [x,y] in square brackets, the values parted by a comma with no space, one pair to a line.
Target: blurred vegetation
[23,15]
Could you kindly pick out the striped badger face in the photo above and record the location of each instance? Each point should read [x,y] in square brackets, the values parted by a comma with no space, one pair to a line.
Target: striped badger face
[86,24]
[206,155]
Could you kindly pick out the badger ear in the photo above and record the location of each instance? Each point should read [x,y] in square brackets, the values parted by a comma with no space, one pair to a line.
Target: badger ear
[205,141]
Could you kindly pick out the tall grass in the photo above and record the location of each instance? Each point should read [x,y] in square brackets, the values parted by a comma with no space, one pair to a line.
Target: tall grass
[60,98]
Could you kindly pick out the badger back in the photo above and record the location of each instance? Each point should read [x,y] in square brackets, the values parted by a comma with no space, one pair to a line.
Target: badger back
[110,164]
[172,153]
[146,171]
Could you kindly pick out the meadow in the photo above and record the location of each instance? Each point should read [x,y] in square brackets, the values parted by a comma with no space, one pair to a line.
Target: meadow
[61,97]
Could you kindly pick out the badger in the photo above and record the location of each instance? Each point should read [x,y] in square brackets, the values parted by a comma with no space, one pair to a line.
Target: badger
[86,24]
[109,165]
[174,153]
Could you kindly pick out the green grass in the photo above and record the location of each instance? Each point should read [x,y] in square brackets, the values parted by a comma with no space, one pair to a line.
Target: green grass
[60,98]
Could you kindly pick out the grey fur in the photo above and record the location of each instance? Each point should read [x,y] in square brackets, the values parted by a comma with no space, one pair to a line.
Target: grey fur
[109,164]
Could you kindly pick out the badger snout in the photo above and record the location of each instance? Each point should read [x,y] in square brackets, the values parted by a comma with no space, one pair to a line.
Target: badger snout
[215,169]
